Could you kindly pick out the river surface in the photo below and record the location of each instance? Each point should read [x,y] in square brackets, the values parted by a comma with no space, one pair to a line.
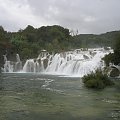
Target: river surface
[32,96]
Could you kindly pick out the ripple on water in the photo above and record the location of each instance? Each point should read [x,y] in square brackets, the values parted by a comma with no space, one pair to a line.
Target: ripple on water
[110,101]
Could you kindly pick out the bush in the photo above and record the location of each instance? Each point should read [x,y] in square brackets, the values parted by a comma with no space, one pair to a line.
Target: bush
[97,80]
[114,57]
[108,59]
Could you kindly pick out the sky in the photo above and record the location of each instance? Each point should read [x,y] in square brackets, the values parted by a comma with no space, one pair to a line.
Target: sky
[86,16]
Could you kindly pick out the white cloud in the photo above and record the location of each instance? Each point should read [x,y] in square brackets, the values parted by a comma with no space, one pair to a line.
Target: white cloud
[88,16]
[17,15]
[89,19]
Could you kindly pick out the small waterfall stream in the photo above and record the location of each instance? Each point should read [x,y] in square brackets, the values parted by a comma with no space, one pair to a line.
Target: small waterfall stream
[77,63]
[11,66]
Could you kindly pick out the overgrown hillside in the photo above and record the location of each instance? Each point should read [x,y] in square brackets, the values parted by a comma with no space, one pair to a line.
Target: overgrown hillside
[30,41]
[91,40]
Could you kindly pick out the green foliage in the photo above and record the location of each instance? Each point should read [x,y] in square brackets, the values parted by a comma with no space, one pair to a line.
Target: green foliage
[97,80]
[4,44]
[30,41]
[49,47]
[3,38]
[18,41]
[91,40]
[26,53]
[108,59]
[114,57]
[52,38]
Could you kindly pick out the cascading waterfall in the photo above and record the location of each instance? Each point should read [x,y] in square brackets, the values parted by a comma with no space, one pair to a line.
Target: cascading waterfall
[18,64]
[11,66]
[77,62]
[8,66]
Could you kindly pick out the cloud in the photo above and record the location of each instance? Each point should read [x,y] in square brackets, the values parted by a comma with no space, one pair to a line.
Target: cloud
[15,15]
[87,16]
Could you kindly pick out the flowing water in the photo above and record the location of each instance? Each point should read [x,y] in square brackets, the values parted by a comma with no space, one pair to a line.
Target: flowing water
[42,89]
[32,96]
[74,63]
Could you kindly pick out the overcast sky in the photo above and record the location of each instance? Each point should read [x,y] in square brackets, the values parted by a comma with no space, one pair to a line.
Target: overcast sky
[86,16]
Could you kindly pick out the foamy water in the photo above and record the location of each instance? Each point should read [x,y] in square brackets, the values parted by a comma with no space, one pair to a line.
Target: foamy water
[75,63]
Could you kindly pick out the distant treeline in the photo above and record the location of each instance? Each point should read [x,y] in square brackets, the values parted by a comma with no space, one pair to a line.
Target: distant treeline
[30,41]
[91,40]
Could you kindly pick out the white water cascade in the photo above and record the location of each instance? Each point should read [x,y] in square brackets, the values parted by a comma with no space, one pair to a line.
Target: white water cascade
[11,66]
[73,63]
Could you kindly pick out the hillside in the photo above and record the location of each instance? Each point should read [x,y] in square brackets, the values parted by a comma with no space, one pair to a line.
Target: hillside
[92,40]
[30,41]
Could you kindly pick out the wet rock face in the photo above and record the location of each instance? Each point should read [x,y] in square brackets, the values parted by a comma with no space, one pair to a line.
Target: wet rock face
[85,57]
[45,62]
[114,72]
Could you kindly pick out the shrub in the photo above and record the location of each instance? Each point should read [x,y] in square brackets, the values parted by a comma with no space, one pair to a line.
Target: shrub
[97,80]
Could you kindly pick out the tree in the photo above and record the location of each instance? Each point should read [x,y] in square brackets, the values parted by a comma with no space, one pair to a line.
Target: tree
[114,57]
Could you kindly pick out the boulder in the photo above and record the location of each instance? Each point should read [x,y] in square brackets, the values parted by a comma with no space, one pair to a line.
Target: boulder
[45,62]
[85,57]
[114,72]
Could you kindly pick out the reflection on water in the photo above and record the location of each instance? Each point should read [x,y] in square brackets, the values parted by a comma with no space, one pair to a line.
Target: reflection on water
[49,97]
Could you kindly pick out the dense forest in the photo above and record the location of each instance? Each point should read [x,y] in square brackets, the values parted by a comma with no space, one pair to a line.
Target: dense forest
[92,40]
[30,41]
[114,57]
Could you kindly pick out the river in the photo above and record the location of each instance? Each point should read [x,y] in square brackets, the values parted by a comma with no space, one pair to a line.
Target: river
[34,96]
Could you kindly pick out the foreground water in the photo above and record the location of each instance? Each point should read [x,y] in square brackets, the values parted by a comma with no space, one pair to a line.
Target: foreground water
[49,97]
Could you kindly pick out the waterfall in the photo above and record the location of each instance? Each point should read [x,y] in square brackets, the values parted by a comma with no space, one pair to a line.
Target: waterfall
[18,64]
[11,66]
[77,62]
[8,66]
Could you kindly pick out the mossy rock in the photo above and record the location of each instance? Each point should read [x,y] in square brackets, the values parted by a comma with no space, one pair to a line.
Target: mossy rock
[45,63]
[114,72]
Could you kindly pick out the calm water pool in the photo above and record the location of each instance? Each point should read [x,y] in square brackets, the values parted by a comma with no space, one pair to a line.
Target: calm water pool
[49,97]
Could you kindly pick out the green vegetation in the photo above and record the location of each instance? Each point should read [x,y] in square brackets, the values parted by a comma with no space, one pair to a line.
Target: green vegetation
[97,80]
[91,40]
[4,43]
[114,57]
[30,41]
